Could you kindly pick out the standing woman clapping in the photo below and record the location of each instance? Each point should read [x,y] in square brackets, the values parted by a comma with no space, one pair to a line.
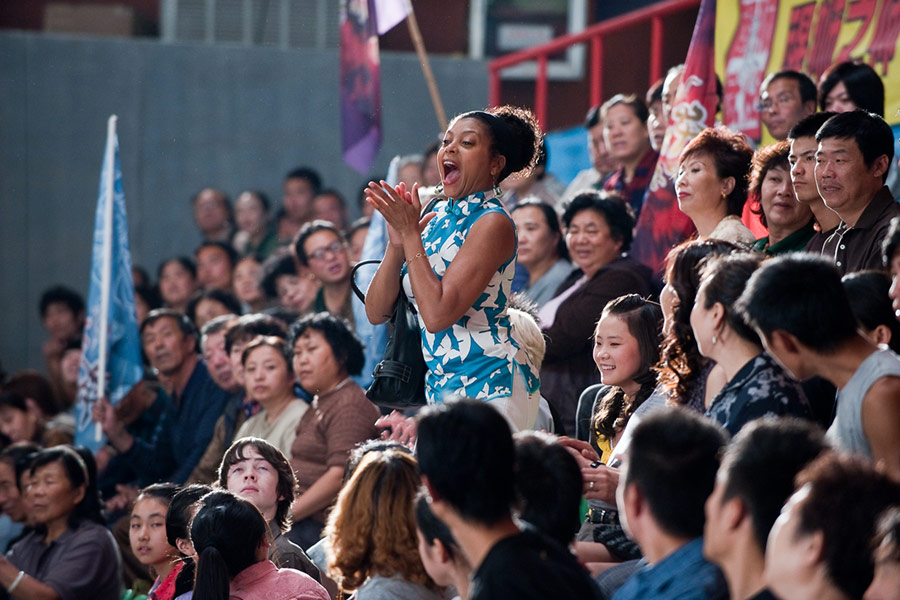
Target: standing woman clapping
[456,264]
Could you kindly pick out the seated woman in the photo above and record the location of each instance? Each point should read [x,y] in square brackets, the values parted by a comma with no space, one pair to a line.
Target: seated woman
[206,305]
[790,222]
[147,534]
[687,378]
[248,273]
[712,184]
[626,348]
[757,385]
[851,85]
[177,282]
[254,236]
[628,139]
[440,553]
[867,292]
[70,553]
[598,234]
[372,543]
[325,354]
[230,537]
[268,379]
[541,249]
[22,421]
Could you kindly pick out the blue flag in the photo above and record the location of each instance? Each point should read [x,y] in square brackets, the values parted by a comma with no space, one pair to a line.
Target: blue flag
[111,310]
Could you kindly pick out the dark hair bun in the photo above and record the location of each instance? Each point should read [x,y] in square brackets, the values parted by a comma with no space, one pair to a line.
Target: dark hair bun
[522,144]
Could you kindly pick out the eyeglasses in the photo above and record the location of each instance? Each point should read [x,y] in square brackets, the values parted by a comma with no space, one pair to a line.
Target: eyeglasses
[321,253]
[781,100]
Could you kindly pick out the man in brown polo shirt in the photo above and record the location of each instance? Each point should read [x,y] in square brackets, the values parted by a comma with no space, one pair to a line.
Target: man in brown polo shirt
[855,151]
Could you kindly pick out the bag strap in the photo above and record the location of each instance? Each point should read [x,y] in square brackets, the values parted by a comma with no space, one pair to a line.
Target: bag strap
[362,263]
[376,261]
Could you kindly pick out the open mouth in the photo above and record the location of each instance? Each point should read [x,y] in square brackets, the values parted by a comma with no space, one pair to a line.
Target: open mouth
[451,173]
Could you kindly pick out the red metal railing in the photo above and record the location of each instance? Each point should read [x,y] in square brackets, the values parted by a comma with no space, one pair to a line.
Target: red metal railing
[594,36]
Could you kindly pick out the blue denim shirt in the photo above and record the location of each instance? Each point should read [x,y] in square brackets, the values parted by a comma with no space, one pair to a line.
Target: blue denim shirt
[682,575]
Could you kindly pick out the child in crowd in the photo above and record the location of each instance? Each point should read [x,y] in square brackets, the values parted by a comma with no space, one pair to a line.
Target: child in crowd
[626,347]
[147,534]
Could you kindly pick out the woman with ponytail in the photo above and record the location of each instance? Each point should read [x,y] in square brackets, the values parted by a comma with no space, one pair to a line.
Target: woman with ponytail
[467,246]
[230,537]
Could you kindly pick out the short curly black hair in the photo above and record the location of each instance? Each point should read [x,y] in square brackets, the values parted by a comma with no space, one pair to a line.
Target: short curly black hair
[345,345]
[618,215]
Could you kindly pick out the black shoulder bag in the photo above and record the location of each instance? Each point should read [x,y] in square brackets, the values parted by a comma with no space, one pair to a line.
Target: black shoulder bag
[400,376]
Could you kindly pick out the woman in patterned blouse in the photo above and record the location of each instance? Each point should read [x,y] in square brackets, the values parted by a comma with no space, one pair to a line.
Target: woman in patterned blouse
[468,245]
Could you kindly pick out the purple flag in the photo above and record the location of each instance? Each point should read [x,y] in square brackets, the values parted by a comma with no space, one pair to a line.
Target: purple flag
[360,85]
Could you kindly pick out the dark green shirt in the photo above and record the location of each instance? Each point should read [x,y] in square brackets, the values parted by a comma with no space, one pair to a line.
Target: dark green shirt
[796,242]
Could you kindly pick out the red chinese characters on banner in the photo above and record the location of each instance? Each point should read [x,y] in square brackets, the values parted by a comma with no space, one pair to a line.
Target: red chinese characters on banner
[828,27]
[798,36]
[862,11]
[884,41]
[746,62]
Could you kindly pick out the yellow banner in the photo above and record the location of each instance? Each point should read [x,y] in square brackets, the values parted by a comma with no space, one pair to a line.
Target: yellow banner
[757,37]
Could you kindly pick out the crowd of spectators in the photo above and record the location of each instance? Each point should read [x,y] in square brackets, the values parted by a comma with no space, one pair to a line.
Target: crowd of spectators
[729,428]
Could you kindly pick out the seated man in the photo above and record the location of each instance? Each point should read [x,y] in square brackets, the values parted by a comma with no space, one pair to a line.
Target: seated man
[755,480]
[855,151]
[602,164]
[813,332]
[257,471]
[802,159]
[184,429]
[466,456]
[321,248]
[785,97]
[820,545]
[215,265]
[212,215]
[667,474]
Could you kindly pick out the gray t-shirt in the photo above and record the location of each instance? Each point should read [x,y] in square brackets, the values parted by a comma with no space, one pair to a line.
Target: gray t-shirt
[846,432]
[83,562]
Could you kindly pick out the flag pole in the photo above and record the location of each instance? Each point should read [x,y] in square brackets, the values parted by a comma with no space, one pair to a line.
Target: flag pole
[416,35]
[106,272]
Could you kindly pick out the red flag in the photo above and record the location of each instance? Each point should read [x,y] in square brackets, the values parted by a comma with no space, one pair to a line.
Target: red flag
[661,224]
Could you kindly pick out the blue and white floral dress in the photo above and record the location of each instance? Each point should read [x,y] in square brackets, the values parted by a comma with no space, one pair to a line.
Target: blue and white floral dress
[476,356]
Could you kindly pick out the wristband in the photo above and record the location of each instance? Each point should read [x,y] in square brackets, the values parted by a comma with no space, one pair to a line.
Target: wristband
[16,582]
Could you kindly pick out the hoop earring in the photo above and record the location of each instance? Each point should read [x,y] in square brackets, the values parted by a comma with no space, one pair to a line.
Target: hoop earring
[439,188]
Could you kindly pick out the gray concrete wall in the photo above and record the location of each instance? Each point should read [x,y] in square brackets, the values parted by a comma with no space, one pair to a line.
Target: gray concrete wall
[189,116]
